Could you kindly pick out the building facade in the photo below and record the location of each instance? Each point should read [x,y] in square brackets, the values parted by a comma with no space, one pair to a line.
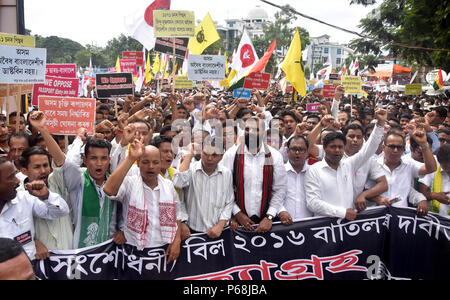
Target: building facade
[320,48]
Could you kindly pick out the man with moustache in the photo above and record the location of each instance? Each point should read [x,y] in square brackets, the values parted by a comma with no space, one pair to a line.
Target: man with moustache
[18,209]
[210,198]
[94,214]
[259,179]
[329,183]
[150,201]
[294,206]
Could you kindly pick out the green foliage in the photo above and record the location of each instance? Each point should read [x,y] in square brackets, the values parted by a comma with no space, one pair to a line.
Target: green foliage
[59,50]
[423,23]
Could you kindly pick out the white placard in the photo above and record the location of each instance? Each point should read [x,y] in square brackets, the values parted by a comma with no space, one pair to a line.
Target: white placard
[21,65]
[206,67]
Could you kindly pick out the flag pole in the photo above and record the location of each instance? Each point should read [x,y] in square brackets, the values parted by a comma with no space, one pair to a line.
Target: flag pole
[173,67]
[19,109]
[7,104]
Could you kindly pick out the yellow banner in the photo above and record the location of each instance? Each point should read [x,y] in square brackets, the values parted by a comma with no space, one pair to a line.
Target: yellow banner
[352,84]
[181,82]
[413,89]
[172,23]
[17,40]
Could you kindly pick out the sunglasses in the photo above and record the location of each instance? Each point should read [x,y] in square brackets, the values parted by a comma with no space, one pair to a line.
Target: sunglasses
[396,147]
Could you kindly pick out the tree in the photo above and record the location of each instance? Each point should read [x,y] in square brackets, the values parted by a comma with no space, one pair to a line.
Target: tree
[422,23]
[59,50]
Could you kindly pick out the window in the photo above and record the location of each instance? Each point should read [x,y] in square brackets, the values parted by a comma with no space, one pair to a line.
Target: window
[338,61]
[339,51]
[325,50]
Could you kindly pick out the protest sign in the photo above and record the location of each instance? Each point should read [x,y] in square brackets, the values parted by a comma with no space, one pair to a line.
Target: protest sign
[17,40]
[114,85]
[181,82]
[206,67]
[20,65]
[329,90]
[61,70]
[66,115]
[128,66]
[173,23]
[352,84]
[242,93]
[165,45]
[314,107]
[334,76]
[413,89]
[138,56]
[259,81]
[383,243]
[56,86]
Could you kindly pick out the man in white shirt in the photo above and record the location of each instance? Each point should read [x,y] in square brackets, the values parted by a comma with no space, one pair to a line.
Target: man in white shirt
[259,178]
[294,207]
[436,186]
[150,201]
[400,173]
[210,196]
[18,209]
[370,170]
[49,234]
[94,215]
[329,183]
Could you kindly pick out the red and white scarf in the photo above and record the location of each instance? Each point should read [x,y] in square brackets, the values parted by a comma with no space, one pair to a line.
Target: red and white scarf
[138,221]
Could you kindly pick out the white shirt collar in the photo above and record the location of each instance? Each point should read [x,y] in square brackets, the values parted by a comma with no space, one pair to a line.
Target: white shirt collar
[290,168]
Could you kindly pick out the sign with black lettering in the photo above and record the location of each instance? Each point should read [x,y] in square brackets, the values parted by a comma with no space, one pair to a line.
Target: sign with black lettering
[381,243]
[114,85]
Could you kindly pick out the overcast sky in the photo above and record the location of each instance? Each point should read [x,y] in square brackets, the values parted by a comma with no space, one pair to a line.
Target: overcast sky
[97,21]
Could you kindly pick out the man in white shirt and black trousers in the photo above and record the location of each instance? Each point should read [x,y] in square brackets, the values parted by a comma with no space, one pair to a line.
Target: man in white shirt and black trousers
[17,209]
[259,179]
[329,183]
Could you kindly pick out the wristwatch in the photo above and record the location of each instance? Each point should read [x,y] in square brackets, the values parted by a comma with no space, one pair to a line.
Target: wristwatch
[269,217]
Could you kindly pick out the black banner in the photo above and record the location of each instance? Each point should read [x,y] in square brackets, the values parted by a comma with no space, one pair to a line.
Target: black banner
[114,85]
[382,243]
[165,45]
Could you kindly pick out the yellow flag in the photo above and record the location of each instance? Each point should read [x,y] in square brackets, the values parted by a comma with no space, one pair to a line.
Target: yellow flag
[156,65]
[228,80]
[148,73]
[118,65]
[205,35]
[226,64]
[292,65]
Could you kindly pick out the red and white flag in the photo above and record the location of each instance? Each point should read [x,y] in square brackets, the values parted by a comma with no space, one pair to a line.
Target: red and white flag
[246,56]
[140,24]
[355,68]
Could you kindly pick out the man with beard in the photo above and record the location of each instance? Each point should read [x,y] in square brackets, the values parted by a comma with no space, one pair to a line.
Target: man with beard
[259,179]
[18,209]
[329,183]
[94,214]
[49,234]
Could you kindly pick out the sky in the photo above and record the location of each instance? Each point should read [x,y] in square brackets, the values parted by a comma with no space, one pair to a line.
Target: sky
[97,21]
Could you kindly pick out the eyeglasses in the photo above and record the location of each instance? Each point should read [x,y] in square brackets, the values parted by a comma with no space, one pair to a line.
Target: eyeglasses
[396,147]
[299,150]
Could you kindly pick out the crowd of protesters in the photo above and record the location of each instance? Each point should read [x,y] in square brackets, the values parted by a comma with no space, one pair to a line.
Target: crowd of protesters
[164,165]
